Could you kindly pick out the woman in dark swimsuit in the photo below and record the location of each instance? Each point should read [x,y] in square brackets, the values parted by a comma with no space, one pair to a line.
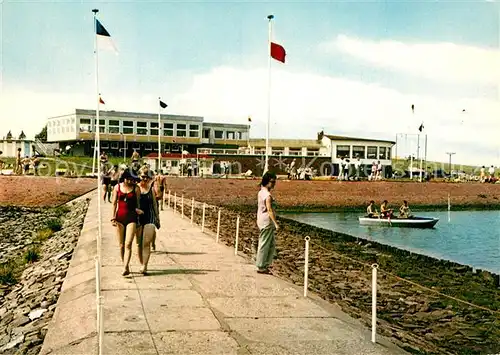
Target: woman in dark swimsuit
[149,219]
[126,197]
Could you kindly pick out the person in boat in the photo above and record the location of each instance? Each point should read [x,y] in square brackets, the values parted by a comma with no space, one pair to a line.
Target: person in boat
[371,210]
[404,210]
[385,211]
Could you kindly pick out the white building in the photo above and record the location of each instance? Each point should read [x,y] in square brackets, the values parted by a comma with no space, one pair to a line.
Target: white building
[10,145]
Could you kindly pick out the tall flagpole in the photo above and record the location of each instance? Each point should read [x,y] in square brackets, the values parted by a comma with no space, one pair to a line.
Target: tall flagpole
[159,130]
[268,126]
[97,139]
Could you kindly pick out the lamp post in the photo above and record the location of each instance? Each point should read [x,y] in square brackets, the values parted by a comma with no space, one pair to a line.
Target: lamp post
[450,154]
[124,147]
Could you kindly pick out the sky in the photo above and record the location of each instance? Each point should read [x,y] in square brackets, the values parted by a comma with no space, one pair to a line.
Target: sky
[352,68]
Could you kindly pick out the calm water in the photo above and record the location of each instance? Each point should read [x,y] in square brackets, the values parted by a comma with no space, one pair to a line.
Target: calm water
[470,238]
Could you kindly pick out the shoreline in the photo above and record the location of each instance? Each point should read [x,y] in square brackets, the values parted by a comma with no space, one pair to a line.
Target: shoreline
[411,310]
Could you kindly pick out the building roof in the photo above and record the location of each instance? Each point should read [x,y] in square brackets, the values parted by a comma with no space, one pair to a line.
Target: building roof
[292,143]
[344,138]
[224,125]
[123,114]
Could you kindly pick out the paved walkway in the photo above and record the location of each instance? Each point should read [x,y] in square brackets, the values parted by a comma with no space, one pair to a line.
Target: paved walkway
[200,298]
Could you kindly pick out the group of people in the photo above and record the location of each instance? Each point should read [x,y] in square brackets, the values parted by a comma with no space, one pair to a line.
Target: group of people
[345,173]
[386,212]
[137,196]
[491,174]
[22,165]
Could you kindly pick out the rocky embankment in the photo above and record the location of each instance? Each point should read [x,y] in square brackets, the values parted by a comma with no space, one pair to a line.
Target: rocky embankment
[417,319]
[36,249]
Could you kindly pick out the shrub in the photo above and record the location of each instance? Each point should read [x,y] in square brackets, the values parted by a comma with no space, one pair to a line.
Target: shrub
[61,210]
[7,273]
[54,224]
[31,255]
[44,234]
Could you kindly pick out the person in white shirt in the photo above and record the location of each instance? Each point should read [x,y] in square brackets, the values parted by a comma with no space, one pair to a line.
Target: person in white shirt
[357,165]
[267,223]
[483,174]
[341,168]
[491,172]
[379,170]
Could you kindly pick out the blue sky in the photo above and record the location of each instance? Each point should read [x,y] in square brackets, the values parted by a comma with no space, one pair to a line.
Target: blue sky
[352,67]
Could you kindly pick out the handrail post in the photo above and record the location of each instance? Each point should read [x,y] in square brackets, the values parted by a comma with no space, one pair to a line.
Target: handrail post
[168,206]
[192,210]
[203,218]
[306,266]
[182,206]
[175,202]
[218,225]
[237,235]
[374,302]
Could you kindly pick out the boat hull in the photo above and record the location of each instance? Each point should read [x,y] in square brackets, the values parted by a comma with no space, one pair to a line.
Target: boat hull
[415,222]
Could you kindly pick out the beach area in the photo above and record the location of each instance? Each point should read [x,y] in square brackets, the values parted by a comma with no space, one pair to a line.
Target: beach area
[425,305]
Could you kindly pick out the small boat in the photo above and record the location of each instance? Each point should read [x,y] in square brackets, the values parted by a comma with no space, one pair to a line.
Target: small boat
[413,222]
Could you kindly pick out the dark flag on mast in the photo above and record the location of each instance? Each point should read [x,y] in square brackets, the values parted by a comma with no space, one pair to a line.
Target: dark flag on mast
[162,104]
[421,128]
[413,108]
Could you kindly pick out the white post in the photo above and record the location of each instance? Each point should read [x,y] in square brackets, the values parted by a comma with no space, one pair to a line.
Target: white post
[97,141]
[218,226]
[192,209]
[182,206]
[306,266]
[374,301]
[159,135]
[268,125]
[175,202]
[101,325]
[203,218]
[237,235]
[99,298]
[124,148]
[168,206]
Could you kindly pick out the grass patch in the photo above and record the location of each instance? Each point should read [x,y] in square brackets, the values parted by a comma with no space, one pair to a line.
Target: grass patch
[31,255]
[61,210]
[44,234]
[54,224]
[8,273]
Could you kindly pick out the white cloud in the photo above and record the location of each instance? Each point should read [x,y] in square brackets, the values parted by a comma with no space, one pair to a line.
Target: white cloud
[302,104]
[436,61]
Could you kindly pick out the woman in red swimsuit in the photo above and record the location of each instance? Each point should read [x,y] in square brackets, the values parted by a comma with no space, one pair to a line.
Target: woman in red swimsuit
[125,214]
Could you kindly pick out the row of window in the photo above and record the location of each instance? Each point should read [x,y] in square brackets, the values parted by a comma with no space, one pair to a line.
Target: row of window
[370,152]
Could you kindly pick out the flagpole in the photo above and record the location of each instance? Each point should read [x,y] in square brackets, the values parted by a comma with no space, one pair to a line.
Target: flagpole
[97,138]
[268,126]
[159,130]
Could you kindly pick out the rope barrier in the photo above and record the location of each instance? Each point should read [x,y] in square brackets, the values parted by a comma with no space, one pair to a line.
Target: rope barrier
[393,275]
[412,283]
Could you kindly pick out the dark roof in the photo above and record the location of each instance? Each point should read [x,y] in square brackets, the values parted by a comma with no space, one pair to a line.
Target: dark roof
[344,138]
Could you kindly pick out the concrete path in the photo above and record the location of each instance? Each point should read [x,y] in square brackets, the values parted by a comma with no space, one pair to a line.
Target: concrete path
[200,298]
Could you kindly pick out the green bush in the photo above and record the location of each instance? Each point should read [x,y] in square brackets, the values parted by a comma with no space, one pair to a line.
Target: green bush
[7,273]
[61,210]
[44,234]
[31,255]
[54,224]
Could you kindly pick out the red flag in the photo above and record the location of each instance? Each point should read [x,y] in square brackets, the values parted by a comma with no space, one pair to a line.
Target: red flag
[278,52]
[101,101]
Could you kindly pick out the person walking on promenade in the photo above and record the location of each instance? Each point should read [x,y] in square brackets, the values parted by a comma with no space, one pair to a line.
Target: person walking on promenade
[19,168]
[126,197]
[115,177]
[267,223]
[149,220]
[160,185]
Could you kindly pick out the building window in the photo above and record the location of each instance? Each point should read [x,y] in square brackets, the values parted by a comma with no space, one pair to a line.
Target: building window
[312,152]
[230,135]
[128,124]
[371,153]
[114,145]
[381,152]
[114,123]
[142,124]
[153,132]
[296,152]
[206,133]
[175,163]
[148,147]
[128,130]
[153,124]
[114,126]
[389,153]
[343,151]
[194,130]
[105,145]
[168,129]
[359,151]
[142,131]
[219,134]
[180,130]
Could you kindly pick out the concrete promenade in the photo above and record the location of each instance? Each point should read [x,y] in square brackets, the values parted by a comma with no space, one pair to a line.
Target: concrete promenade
[199,298]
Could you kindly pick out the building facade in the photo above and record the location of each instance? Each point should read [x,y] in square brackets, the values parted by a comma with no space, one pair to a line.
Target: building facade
[123,132]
